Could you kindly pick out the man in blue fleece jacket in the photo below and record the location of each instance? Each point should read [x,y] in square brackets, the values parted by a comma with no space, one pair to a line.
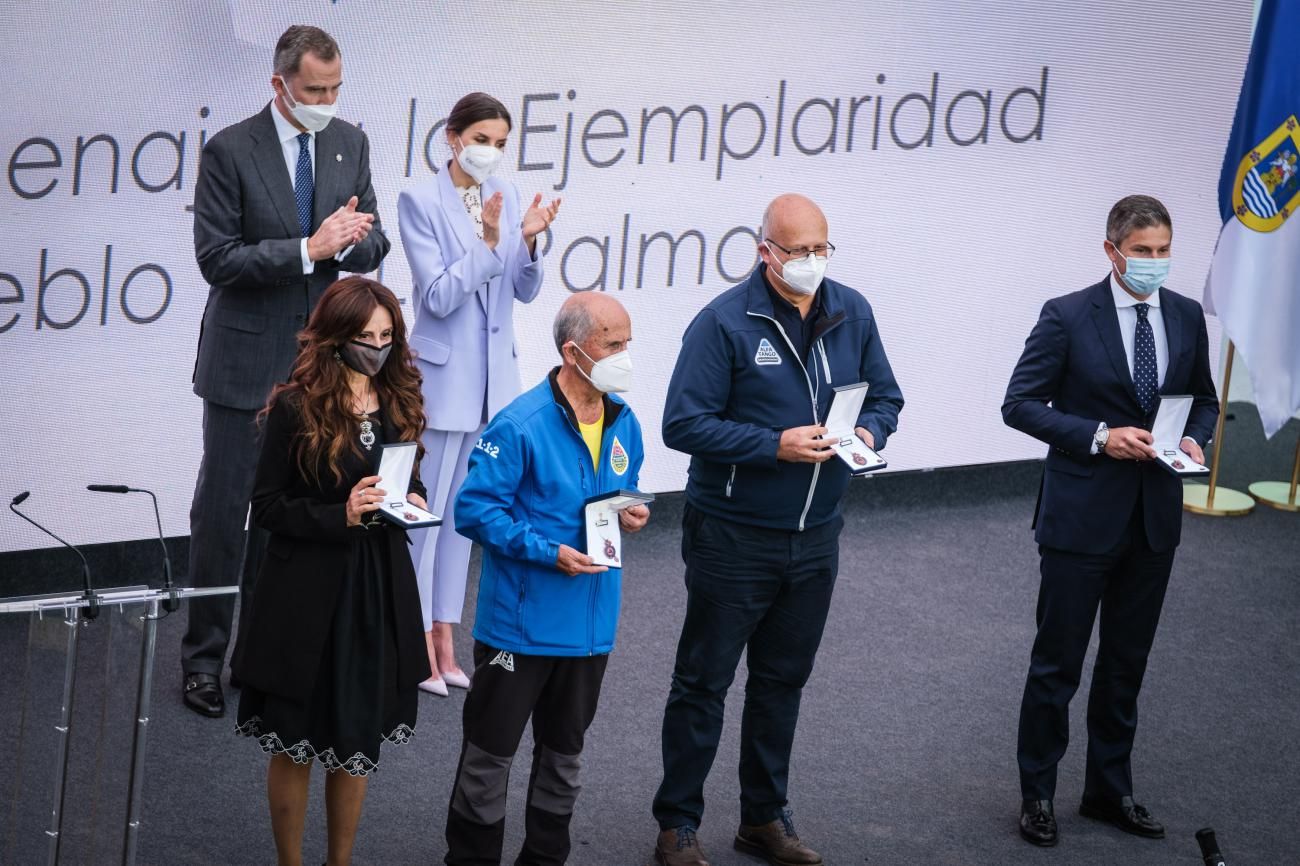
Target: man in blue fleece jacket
[761,524]
[546,615]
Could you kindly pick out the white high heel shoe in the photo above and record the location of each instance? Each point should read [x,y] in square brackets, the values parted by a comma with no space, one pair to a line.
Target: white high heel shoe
[457,679]
[434,686]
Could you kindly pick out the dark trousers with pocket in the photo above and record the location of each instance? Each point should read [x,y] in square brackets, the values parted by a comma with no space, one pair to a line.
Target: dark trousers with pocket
[560,695]
[1127,585]
[766,591]
[221,552]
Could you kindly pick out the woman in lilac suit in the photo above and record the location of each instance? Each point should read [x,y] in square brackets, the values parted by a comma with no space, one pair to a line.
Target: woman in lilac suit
[472,255]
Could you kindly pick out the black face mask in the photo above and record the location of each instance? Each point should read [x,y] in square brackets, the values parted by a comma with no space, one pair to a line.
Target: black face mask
[363,357]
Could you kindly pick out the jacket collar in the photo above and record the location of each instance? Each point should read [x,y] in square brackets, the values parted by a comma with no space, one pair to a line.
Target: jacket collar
[612,407]
[758,302]
[268,156]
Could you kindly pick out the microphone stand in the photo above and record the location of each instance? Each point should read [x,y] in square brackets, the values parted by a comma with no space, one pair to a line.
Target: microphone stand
[91,610]
[173,602]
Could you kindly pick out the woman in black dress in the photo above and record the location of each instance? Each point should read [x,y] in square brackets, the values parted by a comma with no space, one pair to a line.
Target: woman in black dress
[333,650]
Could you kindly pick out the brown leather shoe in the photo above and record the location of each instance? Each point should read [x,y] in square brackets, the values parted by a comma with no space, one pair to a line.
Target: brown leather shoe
[679,847]
[777,843]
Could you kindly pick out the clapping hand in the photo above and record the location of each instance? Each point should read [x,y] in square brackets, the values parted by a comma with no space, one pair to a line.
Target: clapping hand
[537,218]
[492,221]
[340,230]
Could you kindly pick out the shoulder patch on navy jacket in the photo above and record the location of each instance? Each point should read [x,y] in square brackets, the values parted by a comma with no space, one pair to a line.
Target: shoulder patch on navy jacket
[766,354]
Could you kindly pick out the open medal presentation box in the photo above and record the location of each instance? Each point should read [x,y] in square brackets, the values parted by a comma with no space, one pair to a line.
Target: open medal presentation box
[395,467]
[1167,436]
[602,536]
[840,423]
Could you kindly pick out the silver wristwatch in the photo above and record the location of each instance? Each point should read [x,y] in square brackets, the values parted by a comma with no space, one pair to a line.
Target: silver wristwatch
[1101,437]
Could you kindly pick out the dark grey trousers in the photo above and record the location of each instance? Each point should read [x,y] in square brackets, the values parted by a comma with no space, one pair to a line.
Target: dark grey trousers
[221,552]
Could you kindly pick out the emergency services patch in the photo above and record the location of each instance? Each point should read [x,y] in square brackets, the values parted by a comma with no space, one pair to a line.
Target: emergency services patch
[618,458]
[766,353]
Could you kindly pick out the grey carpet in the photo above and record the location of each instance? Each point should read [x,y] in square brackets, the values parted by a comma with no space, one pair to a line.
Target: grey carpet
[906,745]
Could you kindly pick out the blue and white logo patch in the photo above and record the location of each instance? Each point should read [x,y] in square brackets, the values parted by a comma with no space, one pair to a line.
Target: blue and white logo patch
[766,353]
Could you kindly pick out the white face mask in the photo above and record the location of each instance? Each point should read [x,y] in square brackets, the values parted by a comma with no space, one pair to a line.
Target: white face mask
[313,118]
[609,375]
[479,160]
[802,275]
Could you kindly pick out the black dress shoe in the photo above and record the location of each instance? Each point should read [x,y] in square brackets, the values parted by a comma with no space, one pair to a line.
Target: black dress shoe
[203,695]
[1126,815]
[1038,822]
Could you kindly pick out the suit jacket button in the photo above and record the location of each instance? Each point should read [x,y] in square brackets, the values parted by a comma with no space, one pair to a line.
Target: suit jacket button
[496,328]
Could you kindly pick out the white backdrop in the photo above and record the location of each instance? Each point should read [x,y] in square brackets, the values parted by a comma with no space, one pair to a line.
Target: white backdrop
[956,244]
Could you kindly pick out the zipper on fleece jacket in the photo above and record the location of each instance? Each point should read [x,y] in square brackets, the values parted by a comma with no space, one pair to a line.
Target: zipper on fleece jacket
[812,397]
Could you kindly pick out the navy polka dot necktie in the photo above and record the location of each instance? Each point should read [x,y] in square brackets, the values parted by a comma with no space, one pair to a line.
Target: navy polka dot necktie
[1145,376]
[303,185]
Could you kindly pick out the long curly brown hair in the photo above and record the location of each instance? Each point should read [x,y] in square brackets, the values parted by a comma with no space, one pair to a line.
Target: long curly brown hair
[319,387]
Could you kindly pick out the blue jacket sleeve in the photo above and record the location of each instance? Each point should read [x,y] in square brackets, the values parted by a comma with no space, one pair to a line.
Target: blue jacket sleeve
[884,398]
[487,507]
[698,393]
[1035,383]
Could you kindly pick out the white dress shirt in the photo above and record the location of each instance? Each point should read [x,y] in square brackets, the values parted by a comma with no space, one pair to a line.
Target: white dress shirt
[288,134]
[1126,310]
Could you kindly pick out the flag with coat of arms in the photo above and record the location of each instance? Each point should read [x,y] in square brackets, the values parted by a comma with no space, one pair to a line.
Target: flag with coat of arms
[1254,282]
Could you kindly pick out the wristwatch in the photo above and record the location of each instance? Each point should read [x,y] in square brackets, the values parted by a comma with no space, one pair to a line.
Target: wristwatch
[1101,437]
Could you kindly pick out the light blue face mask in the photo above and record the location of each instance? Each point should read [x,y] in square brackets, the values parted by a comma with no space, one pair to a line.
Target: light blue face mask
[1144,276]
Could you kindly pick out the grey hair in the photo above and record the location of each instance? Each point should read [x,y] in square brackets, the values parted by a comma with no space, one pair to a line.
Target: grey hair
[301,39]
[574,322]
[1132,213]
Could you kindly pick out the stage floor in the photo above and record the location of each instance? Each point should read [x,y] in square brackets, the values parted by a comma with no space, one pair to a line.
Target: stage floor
[906,745]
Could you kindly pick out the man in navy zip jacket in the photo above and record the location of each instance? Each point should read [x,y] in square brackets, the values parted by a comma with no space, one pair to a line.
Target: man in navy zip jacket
[761,524]
[546,615]
[1109,518]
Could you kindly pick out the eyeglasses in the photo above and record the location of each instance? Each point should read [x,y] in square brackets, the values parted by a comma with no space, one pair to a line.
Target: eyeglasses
[824,251]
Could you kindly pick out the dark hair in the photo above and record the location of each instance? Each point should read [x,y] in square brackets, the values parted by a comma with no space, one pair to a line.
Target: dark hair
[299,40]
[319,384]
[1135,212]
[473,107]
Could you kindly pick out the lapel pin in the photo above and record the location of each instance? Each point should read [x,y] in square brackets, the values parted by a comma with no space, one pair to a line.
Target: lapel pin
[338,157]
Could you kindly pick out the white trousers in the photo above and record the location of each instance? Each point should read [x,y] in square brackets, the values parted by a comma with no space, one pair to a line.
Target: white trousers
[440,553]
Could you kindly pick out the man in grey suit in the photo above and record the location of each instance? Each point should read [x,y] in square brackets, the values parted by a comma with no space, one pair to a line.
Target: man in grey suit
[283,202]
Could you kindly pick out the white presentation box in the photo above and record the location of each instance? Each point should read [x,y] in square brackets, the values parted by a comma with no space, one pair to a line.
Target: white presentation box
[395,467]
[846,406]
[1167,436]
[601,533]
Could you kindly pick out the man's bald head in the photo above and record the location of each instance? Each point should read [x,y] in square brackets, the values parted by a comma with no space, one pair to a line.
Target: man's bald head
[589,315]
[791,219]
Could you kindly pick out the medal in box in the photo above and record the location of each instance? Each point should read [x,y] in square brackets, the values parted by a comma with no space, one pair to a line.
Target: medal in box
[602,536]
[396,463]
[841,425]
[1167,435]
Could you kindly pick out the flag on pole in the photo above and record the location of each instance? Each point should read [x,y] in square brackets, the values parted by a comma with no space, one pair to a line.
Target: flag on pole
[1254,282]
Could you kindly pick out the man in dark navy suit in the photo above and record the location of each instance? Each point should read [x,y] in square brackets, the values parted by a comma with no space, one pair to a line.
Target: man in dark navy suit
[1109,517]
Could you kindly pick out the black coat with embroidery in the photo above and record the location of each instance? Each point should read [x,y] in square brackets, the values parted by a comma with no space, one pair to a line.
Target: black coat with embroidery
[280,647]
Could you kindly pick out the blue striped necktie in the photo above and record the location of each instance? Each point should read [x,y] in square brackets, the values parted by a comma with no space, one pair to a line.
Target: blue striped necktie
[303,185]
[1146,377]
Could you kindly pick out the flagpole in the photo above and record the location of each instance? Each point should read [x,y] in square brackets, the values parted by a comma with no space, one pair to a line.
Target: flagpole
[1278,494]
[1216,501]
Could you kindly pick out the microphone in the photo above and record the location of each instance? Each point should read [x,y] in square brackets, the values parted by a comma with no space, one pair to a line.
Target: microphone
[172,603]
[1210,847]
[91,610]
